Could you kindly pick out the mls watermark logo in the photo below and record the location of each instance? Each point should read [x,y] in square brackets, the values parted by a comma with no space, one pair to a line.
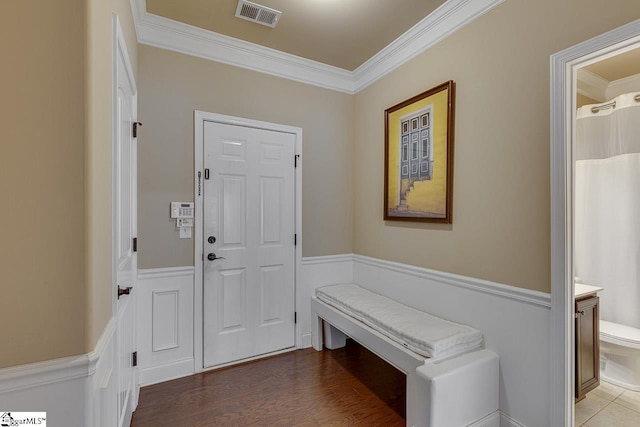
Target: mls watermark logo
[9,419]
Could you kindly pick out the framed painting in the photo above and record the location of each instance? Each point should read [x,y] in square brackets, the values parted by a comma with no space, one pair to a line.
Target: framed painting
[418,156]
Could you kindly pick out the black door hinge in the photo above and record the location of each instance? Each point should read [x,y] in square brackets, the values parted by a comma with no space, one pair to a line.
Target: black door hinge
[135,244]
[135,129]
[295,239]
[295,317]
[295,160]
[206,174]
[134,358]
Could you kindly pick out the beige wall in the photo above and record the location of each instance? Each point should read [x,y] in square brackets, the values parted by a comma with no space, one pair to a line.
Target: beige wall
[584,100]
[41,180]
[173,85]
[500,63]
[55,168]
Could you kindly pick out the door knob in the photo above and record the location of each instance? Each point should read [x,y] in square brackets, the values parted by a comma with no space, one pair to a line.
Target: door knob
[125,291]
[211,239]
[213,257]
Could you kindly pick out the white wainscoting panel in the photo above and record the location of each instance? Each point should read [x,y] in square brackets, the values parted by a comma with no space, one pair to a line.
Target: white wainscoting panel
[319,271]
[73,391]
[165,324]
[164,319]
[515,321]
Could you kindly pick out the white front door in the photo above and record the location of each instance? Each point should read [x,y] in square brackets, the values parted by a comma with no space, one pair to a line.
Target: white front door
[248,233]
[125,197]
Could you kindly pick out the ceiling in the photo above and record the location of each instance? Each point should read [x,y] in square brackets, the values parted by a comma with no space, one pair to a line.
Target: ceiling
[341,33]
[617,67]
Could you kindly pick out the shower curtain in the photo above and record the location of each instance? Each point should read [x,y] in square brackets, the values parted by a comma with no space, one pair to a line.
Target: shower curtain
[607,206]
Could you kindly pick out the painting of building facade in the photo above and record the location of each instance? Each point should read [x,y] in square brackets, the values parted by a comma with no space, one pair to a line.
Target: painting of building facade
[418,157]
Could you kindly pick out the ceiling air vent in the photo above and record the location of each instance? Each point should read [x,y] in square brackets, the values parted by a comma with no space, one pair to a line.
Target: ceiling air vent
[257,13]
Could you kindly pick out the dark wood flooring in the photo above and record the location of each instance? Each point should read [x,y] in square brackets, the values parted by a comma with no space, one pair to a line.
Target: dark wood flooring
[344,387]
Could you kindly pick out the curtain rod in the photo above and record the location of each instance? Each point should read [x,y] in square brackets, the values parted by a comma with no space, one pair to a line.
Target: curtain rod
[611,104]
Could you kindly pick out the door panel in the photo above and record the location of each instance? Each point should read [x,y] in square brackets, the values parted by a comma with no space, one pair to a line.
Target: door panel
[249,209]
[125,189]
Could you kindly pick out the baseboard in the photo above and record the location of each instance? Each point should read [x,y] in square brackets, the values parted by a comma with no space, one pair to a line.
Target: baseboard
[491,420]
[166,372]
[506,421]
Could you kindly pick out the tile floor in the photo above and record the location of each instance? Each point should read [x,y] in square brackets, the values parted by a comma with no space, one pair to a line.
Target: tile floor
[609,406]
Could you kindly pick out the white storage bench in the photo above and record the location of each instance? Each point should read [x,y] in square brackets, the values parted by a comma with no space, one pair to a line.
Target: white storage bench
[451,380]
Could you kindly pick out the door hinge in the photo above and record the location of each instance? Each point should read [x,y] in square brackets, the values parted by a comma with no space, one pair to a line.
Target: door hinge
[295,317]
[134,358]
[206,174]
[135,244]
[295,239]
[295,160]
[135,129]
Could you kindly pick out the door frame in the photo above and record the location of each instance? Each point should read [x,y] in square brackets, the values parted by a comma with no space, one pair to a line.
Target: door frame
[200,117]
[564,69]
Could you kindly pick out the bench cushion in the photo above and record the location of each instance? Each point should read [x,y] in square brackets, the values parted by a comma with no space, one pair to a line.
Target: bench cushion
[427,335]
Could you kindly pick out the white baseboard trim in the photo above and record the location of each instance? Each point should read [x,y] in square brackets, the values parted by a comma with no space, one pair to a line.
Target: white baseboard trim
[491,420]
[166,372]
[507,421]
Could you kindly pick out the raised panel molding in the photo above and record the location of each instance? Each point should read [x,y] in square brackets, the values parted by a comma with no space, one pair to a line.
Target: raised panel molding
[165,323]
[167,34]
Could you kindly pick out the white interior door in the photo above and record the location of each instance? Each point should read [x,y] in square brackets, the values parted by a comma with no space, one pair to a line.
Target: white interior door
[125,197]
[248,233]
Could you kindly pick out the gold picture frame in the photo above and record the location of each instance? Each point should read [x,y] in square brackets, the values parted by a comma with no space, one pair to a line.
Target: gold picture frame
[418,156]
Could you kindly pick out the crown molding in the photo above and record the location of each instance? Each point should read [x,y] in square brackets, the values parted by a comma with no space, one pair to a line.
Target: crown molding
[168,34]
[445,20]
[592,85]
[623,85]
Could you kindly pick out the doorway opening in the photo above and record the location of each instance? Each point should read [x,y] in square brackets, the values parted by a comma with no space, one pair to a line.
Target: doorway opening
[565,68]
[248,229]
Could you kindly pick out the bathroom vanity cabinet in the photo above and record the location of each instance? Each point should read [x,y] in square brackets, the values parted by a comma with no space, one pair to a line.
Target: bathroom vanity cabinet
[587,335]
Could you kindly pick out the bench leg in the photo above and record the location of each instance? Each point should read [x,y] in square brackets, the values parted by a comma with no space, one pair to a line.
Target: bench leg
[333,338]
[458,391]
[316,331]
[417,408]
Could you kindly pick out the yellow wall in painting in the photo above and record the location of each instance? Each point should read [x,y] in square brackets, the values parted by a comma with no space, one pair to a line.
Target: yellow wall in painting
[429,195]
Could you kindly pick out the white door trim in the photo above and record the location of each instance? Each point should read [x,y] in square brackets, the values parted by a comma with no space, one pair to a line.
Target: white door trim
[198,316]
[564,66]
